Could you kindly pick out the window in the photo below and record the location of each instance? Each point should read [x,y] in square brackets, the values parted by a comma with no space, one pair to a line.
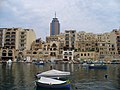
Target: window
[73,35]
[67,42]
[65,53]
[85,54]
[9,53]
[103,44]
[66,38]
[81,54]
[22,32]
[66,34]
[34,52]
[13,32]
[73,39]
[70,52]
[118,36]
[7,32]
[88,54]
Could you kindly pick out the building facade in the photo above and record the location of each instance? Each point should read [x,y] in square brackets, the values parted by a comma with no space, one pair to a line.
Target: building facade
[70,40]
[15,40]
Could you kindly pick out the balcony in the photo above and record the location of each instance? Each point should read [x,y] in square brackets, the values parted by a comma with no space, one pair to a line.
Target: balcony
[23,38]
[7,37]
[7,43]
[22,42]
[12,37]
[13,41]
[13,33]
[7,33]
[12,44]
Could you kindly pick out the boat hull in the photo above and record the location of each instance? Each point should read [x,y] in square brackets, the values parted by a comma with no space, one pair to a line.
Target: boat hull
[98,67]
[64,85]
[39,63]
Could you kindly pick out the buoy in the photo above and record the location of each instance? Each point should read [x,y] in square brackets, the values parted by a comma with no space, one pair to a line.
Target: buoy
[76,88]
[106,76]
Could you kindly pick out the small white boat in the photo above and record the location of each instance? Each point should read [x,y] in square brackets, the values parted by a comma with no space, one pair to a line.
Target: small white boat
[52,83]
[53,73]
[9,61]
[84,64]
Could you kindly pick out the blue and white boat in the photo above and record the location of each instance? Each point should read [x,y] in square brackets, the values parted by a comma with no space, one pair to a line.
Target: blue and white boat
[46,82]
[97,66]
[39,63]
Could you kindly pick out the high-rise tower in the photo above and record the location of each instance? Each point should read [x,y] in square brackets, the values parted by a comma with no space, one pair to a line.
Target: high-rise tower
[54,26]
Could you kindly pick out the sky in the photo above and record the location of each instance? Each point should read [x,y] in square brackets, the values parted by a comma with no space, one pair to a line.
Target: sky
[96,16]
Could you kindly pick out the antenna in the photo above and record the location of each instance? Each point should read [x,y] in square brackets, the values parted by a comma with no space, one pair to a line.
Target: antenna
[55,14]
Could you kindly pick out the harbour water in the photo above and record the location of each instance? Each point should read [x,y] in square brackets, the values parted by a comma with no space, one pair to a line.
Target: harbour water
[21,76]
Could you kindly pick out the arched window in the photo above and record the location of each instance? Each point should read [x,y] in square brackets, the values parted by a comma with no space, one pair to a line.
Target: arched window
[54,45]
[34,52]
[4,53]
[10,53]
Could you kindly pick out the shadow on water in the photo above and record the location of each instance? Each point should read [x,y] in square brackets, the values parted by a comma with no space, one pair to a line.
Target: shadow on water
[41,88]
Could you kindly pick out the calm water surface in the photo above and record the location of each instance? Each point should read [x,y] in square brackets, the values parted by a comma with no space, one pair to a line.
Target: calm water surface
[20,76]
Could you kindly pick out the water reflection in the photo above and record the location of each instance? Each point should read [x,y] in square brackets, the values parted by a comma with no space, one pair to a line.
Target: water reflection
[20,76]
[7,78]
[118,77]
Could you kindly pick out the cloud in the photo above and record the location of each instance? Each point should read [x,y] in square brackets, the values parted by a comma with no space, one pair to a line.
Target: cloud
[83,15]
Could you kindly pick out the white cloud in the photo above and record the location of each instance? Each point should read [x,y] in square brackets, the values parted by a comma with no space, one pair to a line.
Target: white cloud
[82,15]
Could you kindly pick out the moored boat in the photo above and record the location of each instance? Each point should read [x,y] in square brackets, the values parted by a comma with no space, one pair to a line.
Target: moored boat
[53,73]
[9,61]
[52,83]
[85,65]
[39,63]
[97,66]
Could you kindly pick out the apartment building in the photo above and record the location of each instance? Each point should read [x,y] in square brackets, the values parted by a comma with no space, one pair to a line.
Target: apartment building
[70,39]
[54,38]
[104,37]
[97,43]
[26,38]
[15,40]
[92,55]
[83,36]
[2,31]
[106,49]
[115,38]
[37,44]
[36,52]
[86,41]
